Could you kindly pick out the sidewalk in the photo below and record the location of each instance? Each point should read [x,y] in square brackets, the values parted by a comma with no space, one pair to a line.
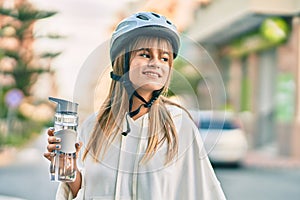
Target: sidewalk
[9,198]
[267,159]
[7,156]
[29,152]
[25,169]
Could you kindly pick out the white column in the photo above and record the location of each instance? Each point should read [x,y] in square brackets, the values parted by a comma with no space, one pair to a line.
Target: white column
[234,86]
[266,102]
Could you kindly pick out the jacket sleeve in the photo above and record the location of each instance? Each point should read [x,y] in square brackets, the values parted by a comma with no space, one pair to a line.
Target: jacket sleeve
[197,179]
[207,180]
[64,192]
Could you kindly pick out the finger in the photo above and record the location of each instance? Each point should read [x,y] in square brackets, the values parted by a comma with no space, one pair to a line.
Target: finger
[51,131]
[53,140]
[52,147]
[48,155]
[78,146]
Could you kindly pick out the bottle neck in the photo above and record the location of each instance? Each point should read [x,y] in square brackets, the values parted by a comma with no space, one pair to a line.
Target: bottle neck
[66,121]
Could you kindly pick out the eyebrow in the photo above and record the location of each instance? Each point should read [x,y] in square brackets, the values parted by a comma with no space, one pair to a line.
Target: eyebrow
[143,49]
[148,49]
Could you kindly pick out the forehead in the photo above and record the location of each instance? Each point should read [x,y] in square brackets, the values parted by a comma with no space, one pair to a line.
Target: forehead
[152,43]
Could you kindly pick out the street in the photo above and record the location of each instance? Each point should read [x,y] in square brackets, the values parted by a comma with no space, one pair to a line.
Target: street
[260,184]
[28,178]
[27,182]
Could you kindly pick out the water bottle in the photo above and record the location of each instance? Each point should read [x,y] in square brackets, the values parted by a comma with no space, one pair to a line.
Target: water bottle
[63,161]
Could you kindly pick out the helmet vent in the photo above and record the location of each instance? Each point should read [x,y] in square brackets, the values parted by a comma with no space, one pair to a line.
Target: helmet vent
[143,17]
[169,22]
[156,15]
[125,24]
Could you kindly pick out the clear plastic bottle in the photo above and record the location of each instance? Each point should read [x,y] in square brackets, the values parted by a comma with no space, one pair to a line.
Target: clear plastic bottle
[63,161]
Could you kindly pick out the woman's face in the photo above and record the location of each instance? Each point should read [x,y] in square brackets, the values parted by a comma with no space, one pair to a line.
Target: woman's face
[150,66]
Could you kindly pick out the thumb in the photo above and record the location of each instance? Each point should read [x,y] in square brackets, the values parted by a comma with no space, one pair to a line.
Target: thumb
[78,146]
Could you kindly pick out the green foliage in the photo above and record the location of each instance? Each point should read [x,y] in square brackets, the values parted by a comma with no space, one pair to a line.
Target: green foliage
[184,78]
[51,36]
[50,54]
[21,132]
[24,74]
[26,13]
[245,95]
[27,67]
[9,53]
[3,110]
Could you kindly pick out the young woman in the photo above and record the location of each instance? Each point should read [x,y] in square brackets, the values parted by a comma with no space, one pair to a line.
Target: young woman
[140,145]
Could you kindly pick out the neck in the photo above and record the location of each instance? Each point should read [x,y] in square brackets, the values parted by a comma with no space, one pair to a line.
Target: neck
[147,95]
[136,103]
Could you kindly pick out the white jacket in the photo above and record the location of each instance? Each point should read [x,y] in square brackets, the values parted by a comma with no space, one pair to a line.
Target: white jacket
[120,176]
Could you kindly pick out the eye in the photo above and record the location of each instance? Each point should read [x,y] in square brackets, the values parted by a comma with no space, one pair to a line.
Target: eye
[165,59]
[145,55]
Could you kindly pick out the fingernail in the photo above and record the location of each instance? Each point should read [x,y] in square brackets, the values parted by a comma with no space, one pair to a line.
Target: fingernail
[51,128]
[57,146]
[57,139]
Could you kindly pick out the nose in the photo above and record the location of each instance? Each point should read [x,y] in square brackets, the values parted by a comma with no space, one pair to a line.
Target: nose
[154,62]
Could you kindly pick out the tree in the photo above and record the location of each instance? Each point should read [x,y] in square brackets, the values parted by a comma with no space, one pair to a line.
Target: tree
[20,65]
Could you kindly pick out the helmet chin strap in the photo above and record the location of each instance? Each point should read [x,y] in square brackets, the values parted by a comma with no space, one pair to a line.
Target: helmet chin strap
[132,92]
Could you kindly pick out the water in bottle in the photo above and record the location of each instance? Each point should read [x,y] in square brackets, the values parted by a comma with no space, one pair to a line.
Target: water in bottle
[63,161]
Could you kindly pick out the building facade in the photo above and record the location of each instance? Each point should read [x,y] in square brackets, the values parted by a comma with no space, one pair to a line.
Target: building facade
[256,47]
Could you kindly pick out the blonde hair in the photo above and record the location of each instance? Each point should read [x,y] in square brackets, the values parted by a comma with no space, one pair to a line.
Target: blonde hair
[112,112]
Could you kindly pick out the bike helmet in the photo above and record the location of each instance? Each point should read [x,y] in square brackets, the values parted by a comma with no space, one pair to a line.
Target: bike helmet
[140,24]
[143,23]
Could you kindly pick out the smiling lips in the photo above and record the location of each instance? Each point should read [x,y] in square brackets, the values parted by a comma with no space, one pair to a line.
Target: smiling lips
[152,74]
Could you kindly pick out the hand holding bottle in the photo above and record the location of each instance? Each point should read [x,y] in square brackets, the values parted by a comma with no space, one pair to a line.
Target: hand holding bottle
[62,164]
[54,144]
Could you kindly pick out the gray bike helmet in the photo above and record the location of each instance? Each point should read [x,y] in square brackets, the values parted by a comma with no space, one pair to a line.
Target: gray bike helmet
[143,23]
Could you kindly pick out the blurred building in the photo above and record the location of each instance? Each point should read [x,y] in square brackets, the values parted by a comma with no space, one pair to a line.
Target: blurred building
[256,47]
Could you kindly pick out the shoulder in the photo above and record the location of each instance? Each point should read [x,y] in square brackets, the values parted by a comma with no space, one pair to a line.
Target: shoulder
[87,126]
[178,113]
[90,119]
[187,131]
[182,119]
